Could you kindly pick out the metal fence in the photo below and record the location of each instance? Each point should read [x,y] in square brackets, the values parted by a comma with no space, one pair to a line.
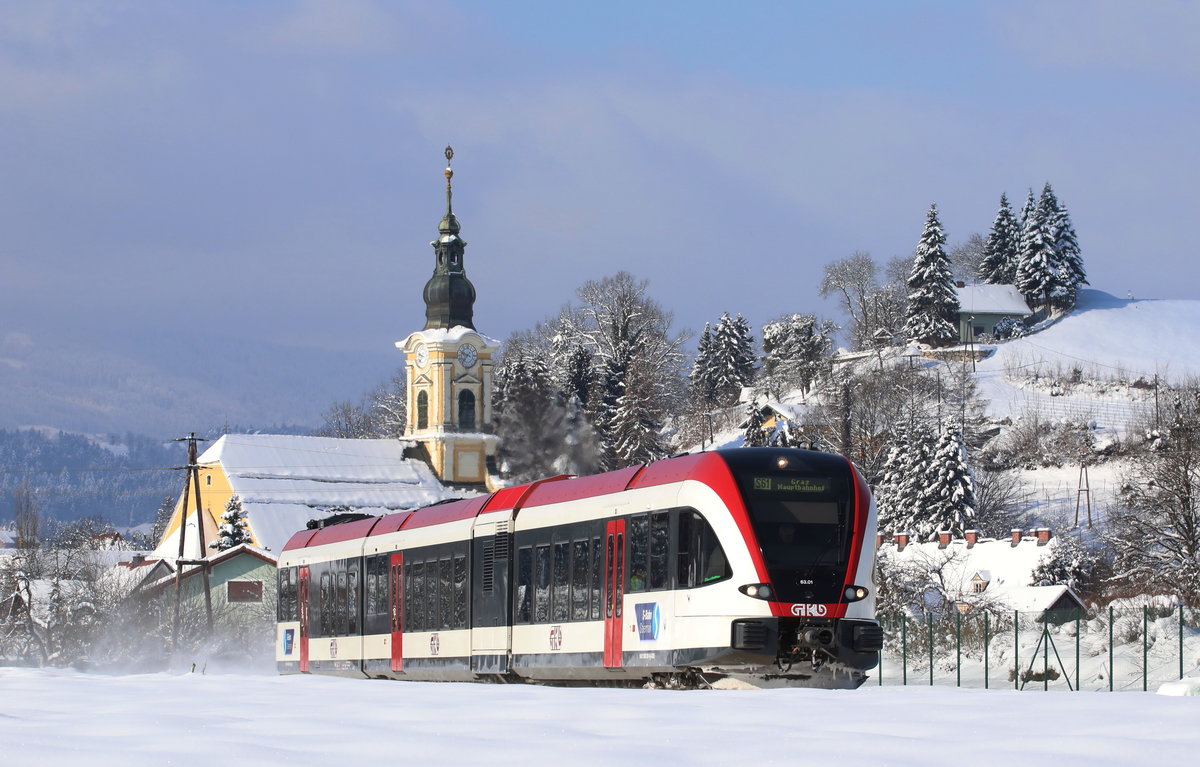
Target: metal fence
[1096,649]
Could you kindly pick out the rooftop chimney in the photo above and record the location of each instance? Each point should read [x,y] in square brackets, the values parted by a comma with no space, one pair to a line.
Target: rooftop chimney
[972,537]
[901,540]
[1043,535]
[1016,536]
[943,538]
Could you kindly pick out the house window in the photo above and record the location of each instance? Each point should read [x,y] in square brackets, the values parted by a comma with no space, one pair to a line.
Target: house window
[244,591]
[422,410]
[208,480]
[980,586]
[466,409]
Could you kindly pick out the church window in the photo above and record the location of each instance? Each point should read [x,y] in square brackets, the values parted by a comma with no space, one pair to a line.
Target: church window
[422,410]
[466,409]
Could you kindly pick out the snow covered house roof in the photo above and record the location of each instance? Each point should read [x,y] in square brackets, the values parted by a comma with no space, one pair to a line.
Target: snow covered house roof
[992,299]
[283,481]
[1005,569]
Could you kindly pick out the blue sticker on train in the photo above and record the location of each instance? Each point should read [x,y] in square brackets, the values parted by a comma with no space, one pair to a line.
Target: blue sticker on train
[648,620]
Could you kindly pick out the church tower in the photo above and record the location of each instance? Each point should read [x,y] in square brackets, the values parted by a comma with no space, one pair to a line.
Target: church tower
[450,366]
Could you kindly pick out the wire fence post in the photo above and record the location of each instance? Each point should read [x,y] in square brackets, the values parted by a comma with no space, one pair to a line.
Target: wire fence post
[1079,616]
[1046,655]
[1181,641]
[1110,648]
[958,648]
[904,649]
[1016,650]
[985,650]
[1145,646]
[930,616]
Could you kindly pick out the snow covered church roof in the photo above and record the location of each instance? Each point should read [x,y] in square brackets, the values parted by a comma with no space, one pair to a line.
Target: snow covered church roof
[992,299]
[283,481]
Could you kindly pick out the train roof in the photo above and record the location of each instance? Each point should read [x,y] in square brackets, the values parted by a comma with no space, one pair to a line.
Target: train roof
[713,468]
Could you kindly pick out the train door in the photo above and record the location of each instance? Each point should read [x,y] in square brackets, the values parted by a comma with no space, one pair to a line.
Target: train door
[614,591]
[491,595]
[302,598]
[396,589]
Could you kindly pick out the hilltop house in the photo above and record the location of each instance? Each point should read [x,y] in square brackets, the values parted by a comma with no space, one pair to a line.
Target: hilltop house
[982,306]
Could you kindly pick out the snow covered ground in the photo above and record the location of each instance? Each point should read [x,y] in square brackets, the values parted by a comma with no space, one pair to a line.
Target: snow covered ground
[66,717]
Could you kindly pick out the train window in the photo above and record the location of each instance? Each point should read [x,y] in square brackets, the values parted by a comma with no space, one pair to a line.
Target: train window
[376,611]
[342,600]
[326,604]
[660,544]
[418,597]
[446,592]
[597,577]
[560,604]
[639,550]
[541,589]
[580,576]
[287,594]
[524,590]
[460,591]
[701,559]
[352,600]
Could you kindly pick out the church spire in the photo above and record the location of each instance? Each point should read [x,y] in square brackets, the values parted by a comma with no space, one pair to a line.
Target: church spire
[449,295]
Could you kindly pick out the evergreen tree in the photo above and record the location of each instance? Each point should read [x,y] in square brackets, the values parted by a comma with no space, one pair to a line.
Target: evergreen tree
[1000,251]
[932,302]
[233,530]
[628,336]
[754,434]
[731,360]
[703,376]
[796,351]
[899,491]
[636,426]
[948,500]
[542,432]
[1067,261]
[1036,277]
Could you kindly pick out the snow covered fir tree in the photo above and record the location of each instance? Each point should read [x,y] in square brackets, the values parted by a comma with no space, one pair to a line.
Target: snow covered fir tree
[932,302]
[233,530]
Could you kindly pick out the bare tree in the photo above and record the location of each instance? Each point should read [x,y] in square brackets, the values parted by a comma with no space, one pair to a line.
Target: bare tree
[875,308]
[966,258]
[1155,532]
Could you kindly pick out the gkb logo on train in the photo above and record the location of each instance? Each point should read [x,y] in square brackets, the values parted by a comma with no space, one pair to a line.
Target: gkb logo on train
[649,620]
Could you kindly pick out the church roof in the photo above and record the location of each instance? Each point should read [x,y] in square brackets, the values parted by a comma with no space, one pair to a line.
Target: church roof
[283,481]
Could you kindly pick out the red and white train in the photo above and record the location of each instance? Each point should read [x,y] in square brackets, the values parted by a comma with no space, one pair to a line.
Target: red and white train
[752,564]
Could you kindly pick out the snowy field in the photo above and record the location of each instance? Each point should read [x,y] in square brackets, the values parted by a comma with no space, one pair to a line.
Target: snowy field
[68,718]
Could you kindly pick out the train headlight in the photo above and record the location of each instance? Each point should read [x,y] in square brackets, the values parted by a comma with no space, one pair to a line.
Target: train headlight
[855,593]
[782,462]
[758,590]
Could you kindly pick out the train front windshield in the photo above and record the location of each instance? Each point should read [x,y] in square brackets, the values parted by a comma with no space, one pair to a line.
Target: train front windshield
[803,523]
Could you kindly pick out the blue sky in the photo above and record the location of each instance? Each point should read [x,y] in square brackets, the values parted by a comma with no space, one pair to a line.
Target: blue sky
[272,170]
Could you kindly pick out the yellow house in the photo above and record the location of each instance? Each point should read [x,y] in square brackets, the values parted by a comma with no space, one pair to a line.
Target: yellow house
[283,481]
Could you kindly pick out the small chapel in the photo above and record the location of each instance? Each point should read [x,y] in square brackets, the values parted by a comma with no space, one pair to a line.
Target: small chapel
[449,366]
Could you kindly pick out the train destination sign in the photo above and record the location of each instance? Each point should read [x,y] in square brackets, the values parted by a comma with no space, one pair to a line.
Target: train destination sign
[784,484]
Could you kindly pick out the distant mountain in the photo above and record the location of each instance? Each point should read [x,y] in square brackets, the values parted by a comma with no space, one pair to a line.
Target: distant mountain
[161,387]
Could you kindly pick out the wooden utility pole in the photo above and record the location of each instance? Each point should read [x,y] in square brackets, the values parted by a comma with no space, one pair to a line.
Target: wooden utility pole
[193,479]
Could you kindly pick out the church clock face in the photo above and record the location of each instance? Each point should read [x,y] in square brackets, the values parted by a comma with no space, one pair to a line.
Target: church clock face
[467,355]
[421,356]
